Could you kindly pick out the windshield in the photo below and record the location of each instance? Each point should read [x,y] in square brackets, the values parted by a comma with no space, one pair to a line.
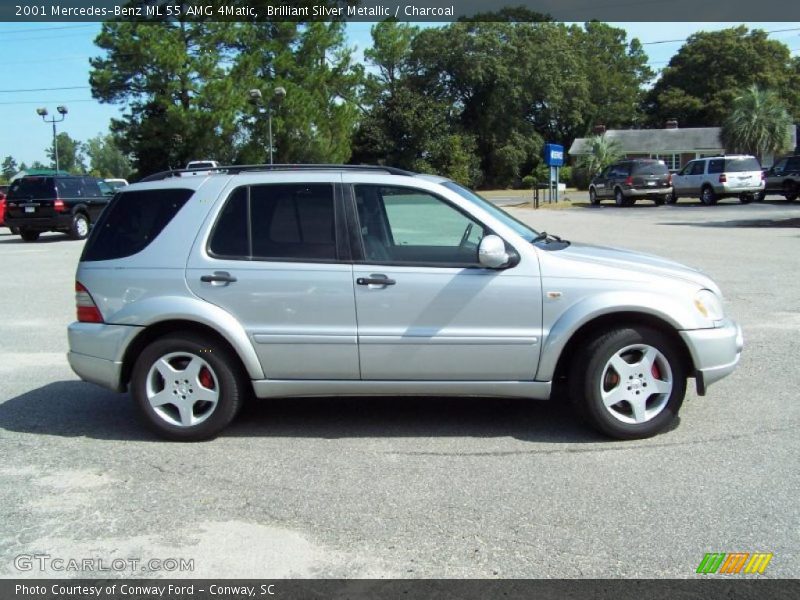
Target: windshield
[518,226]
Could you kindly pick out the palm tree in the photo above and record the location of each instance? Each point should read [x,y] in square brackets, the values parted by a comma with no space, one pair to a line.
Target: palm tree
[602,152]
[758,124]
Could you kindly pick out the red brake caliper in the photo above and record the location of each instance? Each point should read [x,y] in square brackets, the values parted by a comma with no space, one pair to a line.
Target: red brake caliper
[205,379]
[655,372]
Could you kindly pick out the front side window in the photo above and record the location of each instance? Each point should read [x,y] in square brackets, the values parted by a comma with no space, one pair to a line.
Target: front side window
[406,225]
[277,222]
[699,166]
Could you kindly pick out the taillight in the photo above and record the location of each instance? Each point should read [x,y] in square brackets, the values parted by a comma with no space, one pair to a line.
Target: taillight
[629,180]
[669,179]
[87,309]
[763,176]
[58,205]
[723,178]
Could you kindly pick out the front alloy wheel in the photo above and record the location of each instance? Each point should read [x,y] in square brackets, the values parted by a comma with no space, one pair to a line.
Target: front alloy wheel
[629,383]
[593,196]
[189,387]
[619,198]
[707,196]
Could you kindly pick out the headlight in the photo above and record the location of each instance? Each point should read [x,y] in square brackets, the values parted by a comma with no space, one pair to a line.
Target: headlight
[709,305]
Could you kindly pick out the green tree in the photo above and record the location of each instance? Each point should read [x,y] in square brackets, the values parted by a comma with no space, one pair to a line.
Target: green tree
[602,152]
[709,71]
[106,159]
[70,154]
[9,167]
[759,123]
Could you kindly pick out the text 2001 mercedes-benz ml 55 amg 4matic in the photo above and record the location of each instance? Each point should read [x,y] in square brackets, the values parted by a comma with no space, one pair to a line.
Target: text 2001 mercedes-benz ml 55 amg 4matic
[299,280]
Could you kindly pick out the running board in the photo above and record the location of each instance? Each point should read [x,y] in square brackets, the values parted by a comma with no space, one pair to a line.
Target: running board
[287,388]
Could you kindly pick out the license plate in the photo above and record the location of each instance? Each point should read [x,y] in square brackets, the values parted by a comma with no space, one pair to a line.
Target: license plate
[651,183]
[30,209]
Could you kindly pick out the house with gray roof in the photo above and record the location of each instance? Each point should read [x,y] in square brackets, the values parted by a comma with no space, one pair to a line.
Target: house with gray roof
[673,145]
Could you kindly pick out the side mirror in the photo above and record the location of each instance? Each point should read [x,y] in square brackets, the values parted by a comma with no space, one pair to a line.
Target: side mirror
[492,252]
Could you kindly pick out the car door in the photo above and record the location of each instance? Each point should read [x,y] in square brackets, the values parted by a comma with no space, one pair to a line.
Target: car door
[275,258]
[774,176]
[601,183]
[680,181]
[426,309]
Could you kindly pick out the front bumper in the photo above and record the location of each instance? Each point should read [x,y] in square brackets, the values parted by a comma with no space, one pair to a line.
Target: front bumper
[96,352]
[715,352]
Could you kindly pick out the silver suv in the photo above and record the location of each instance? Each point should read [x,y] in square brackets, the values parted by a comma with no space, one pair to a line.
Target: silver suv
[718,177]
[195,292]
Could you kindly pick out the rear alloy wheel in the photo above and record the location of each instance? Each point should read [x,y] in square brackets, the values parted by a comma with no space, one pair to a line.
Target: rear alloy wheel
[629,383]
[593,197]
[79,228]
[188,387]
[790,191]
[707,196]
[28,235]
[619,198]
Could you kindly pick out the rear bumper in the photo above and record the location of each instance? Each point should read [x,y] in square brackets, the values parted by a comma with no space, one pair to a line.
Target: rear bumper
[96,352]
[61,221]
[646,192]
[715,352]
[737,190]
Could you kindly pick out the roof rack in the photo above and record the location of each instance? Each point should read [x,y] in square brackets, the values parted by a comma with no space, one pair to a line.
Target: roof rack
[237,169]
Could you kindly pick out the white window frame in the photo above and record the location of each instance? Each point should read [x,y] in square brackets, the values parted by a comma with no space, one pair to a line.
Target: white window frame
[672,160]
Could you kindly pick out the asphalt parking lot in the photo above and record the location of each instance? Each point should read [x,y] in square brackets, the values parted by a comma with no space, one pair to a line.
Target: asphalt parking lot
[422,488]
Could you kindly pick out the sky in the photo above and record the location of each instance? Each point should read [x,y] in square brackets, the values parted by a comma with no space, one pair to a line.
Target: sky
[56,55]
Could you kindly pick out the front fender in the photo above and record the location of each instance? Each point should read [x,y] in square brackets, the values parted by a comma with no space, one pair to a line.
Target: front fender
[588,309]
[151,311]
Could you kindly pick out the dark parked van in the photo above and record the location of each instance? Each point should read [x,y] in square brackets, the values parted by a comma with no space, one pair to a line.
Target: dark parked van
[628,180]
[38,203]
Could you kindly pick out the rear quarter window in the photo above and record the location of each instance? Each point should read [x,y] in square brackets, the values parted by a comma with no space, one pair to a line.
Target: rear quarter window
[132,221]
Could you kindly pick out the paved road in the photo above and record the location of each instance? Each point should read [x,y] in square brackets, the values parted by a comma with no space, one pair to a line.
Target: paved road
[418,487]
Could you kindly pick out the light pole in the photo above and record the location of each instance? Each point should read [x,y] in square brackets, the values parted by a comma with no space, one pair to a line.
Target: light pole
[278,94]
[42,112]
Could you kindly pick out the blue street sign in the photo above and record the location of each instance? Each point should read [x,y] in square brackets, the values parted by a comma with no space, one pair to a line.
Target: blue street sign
[553,155]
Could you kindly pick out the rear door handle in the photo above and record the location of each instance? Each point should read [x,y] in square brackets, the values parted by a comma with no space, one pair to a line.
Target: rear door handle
[375,280]
[218,277]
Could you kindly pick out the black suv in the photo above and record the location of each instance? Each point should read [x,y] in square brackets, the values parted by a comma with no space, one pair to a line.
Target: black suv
[783,178]
[38,203]
[628,180]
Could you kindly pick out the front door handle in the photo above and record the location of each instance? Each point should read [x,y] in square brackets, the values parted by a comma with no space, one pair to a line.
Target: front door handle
[218,277]
[375,280]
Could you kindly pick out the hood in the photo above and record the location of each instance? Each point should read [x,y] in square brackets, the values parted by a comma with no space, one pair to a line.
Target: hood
[632,262]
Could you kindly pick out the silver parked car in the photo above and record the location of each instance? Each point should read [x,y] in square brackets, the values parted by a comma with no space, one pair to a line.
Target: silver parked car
[716,177]
[194,292]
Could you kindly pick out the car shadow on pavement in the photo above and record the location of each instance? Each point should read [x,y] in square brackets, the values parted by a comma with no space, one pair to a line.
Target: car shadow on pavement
[791,223]
[78,409]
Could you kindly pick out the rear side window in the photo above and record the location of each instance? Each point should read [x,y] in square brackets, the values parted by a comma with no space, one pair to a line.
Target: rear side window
[650,168]
[34,188]
[132,221]
[737,165]
[793,164]
[70,188]
[277,222]
[716,166]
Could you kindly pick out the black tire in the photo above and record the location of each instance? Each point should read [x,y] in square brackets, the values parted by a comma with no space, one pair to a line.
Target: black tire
[223,373]
[593,197]
[790,191]
[671,198]
[707,196]
[619,198]
[79,228]
[746,198]
[592,368]
[760,196]
[28,235]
